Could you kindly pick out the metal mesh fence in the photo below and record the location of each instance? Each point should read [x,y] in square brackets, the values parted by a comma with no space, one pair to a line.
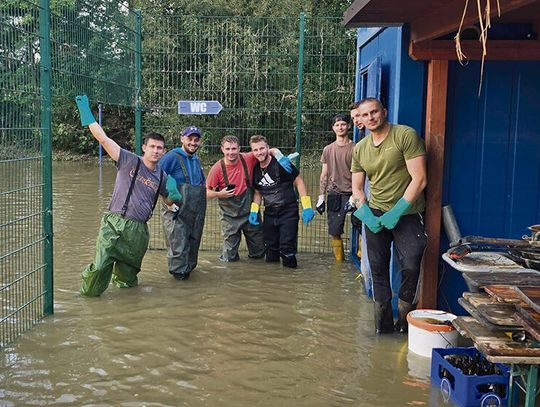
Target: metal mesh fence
[49,51]
[22,244]
[280,77]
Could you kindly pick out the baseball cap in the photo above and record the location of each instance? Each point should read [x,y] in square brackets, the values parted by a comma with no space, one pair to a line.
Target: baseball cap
[340,117]
[191,130]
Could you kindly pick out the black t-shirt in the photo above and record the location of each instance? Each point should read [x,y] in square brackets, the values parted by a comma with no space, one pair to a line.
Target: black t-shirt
[275,184]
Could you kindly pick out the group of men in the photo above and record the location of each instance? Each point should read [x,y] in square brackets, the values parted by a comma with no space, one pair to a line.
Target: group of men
[392,157]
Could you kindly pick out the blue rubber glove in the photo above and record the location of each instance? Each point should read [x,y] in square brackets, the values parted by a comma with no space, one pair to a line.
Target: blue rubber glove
[285,162]
[172,189]
[84,110]
[390,219]
[371,221]
[307,215]
[307,212]
[254,211]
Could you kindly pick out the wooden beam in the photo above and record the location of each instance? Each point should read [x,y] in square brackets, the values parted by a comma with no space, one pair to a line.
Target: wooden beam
[501,50]
[437,86]
[352,11]
[444,20]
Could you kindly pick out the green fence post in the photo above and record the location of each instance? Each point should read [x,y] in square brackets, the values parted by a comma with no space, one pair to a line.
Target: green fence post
[46,149]
[138,82]
[300,85]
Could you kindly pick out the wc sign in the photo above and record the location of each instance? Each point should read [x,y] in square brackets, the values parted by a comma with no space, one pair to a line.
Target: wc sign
[199,107]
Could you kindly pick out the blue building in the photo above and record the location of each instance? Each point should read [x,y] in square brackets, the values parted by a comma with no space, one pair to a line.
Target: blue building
[481,125]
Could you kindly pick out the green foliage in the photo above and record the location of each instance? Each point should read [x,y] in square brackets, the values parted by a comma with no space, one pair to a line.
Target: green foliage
[248,61]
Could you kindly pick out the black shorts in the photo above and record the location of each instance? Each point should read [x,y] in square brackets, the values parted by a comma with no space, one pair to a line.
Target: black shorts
[335,206]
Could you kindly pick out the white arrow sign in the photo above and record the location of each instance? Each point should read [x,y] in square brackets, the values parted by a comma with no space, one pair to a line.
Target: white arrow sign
[199,107]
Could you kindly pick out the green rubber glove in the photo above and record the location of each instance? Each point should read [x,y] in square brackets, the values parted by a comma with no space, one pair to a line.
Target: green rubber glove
[390,219]
[172,189]
[84,110]
[371,221]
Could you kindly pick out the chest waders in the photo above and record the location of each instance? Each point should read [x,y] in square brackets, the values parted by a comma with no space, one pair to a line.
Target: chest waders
[120,248]
[234,214]
[183,229]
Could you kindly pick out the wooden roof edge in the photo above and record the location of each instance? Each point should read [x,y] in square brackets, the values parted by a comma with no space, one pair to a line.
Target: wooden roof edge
[501,50]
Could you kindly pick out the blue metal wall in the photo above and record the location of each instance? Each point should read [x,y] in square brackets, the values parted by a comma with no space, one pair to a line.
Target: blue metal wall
[492,159]
[403,98]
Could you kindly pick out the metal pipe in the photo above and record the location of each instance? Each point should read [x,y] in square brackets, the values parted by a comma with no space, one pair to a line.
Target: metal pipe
[450,225]
[100,118]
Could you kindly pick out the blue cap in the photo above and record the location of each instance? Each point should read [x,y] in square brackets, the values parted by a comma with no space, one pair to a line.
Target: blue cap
[191,131]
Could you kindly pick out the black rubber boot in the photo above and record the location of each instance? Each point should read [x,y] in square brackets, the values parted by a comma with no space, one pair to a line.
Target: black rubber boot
[402,326]
[289,260]
[272,256]
[384,320]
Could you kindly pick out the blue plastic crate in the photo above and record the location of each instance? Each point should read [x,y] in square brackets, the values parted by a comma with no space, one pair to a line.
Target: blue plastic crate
[468,390]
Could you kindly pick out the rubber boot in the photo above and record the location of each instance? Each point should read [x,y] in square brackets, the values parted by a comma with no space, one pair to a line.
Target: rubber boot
[402,326]
[289,260]
[384,320]
[337,247]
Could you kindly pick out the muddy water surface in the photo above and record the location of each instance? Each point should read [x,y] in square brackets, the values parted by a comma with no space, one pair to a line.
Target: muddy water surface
[242,334]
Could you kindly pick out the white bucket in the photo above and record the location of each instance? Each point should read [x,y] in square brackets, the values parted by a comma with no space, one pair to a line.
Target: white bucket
[425,333]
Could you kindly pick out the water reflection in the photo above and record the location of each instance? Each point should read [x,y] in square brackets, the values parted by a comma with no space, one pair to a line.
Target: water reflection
[240,334]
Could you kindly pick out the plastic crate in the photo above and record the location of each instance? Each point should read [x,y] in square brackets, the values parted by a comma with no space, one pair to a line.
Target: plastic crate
[468,390]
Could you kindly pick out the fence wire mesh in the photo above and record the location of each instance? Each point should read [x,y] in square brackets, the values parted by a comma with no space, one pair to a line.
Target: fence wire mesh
[252,66]
[50,51]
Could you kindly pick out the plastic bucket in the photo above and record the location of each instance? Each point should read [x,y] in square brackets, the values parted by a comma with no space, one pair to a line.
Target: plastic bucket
[430,329]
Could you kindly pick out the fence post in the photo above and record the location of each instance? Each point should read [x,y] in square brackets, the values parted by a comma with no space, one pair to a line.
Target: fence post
[46,150]
[300,85]
[138,82]
[100,122]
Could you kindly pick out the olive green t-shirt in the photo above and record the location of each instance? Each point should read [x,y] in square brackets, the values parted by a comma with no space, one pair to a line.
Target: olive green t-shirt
[385,166]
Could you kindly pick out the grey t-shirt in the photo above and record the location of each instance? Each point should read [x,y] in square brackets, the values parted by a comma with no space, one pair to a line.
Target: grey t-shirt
[144,191]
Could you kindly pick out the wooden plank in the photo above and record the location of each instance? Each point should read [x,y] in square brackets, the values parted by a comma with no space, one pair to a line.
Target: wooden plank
[504,293]
[444,20]
[530,315]
[508,351]
[434,137]
[499,314]
[476,299]
[531,295]
[515,278]
[471,328]
[484,321]
[497,347]
[497,50]
[528,326]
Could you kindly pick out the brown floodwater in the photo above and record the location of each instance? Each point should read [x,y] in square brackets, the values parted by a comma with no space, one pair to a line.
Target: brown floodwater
[240,334]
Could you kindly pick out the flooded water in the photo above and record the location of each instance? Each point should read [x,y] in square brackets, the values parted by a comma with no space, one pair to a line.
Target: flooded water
[242,334]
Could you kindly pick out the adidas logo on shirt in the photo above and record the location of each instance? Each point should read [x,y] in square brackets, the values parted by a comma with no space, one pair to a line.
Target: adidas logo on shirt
[266,181]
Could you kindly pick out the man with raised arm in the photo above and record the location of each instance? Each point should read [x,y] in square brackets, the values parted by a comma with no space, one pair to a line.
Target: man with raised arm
[123,236]
[393,158]
[276,186]
[230,180]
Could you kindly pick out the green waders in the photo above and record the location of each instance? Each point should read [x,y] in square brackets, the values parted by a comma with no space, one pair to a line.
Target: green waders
[120,248]
[234,220]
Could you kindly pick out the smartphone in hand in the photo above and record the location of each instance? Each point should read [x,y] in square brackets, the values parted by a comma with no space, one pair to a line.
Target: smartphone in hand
[230,187]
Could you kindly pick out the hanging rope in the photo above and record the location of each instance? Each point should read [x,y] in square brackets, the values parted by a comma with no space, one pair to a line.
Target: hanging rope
[485,23]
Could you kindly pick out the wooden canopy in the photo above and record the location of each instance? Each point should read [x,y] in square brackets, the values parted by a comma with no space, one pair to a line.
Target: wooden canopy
[429,20]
